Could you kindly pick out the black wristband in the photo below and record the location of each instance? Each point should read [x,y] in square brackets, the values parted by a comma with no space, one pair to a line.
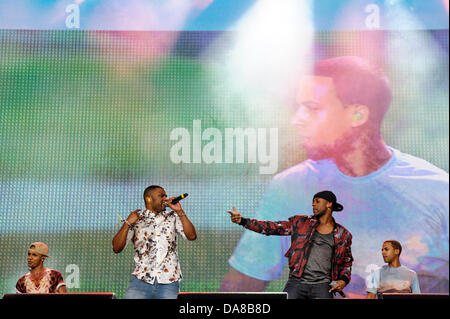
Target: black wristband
[243,222]
[344,279]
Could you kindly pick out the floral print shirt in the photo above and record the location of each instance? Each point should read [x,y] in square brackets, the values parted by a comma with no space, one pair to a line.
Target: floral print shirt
[155,247]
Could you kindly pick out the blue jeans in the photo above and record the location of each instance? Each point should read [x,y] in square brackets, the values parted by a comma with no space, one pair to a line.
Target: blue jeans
[298,290]
[139,289]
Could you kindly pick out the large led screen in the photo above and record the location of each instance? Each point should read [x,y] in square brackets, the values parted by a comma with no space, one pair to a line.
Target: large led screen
[89,119]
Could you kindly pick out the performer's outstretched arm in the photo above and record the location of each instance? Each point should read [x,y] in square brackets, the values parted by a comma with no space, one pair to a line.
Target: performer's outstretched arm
[283,228]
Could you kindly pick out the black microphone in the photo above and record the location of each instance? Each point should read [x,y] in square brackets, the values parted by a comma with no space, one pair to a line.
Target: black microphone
[177,199]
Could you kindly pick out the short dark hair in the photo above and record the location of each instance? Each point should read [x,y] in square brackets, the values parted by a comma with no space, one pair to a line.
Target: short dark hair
[358,82]
[395,244]
[150,189]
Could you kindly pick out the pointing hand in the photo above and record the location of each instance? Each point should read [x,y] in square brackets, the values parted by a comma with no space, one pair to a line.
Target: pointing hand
[236,217]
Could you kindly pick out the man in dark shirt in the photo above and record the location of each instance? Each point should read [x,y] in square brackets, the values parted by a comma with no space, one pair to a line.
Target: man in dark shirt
[320,253]
[318,267]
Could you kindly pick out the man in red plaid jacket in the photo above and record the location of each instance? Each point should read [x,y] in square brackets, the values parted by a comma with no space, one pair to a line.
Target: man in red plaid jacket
[320,257]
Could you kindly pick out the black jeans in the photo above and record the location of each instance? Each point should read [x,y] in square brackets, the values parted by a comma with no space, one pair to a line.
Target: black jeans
[299,290]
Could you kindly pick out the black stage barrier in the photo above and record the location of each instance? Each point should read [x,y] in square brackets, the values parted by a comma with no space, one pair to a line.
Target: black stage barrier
[414,296]
[66,296]
[232,295]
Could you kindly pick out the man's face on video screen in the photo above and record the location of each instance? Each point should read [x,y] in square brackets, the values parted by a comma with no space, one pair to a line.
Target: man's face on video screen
[321,118]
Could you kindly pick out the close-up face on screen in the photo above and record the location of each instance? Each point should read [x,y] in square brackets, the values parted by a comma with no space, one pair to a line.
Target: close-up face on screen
[257,106]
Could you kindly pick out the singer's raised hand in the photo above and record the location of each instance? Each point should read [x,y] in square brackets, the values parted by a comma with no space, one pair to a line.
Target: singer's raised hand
[134,216]
[119,240]
[236,217]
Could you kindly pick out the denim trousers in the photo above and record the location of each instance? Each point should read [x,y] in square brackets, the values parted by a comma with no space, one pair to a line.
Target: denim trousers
[139,289]
[299,290]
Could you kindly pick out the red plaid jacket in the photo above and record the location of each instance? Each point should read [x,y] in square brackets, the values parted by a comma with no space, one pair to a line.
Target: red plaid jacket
[301,229]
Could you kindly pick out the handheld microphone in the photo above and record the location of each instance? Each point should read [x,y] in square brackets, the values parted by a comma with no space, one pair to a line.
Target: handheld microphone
[177,199]
[333,284]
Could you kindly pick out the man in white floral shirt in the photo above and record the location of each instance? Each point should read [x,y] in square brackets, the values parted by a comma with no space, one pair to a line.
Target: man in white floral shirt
[153,232]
